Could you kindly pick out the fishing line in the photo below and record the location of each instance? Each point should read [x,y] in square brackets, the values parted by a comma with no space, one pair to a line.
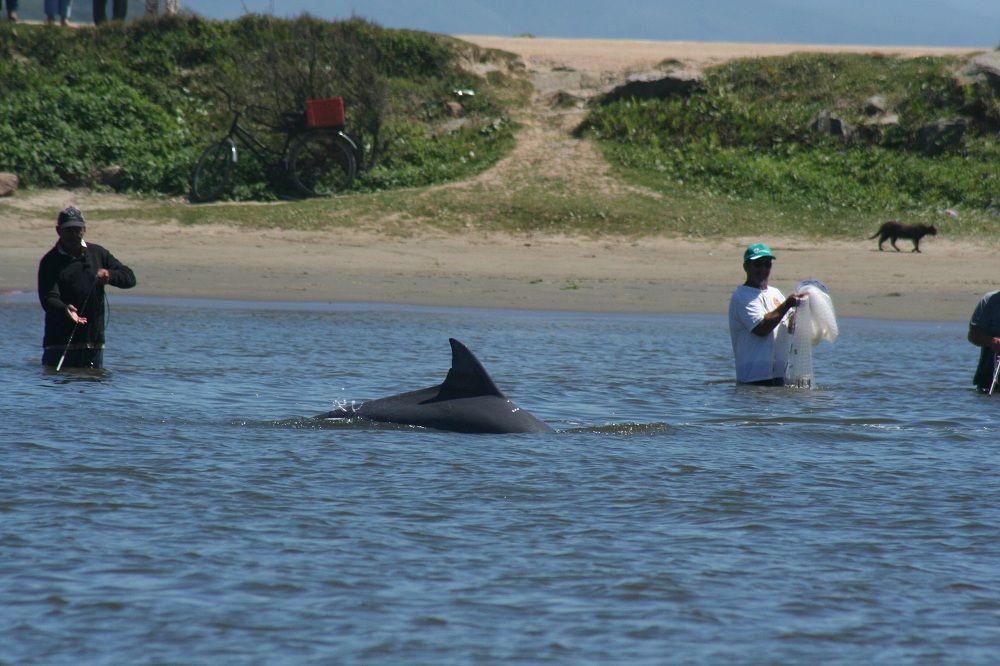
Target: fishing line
[76,323]
[107,314]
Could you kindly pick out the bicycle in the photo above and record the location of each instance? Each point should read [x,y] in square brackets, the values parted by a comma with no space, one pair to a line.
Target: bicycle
[318,160]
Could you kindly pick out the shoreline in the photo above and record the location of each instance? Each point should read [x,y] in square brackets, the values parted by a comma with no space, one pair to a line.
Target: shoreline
[655,275]
[127,299]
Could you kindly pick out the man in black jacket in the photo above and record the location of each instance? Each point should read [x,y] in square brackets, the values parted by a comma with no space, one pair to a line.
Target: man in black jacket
[71,279]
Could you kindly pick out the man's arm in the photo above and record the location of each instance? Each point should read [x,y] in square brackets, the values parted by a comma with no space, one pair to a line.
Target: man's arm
[981,338]
[48,288]
[119,275]
[774,317]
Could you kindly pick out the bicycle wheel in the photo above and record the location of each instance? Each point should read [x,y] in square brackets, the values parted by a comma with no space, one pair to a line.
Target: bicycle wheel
[359,154]
[213,171]
[320,163]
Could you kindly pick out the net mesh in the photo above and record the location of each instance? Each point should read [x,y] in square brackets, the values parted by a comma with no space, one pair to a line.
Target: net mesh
[815,321]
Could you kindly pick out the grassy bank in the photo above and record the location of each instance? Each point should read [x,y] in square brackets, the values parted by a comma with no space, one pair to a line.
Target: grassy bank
[140,100]
[748,140]
[736,157]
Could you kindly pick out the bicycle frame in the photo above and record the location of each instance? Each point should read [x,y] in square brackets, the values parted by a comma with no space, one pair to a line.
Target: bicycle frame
[255,145]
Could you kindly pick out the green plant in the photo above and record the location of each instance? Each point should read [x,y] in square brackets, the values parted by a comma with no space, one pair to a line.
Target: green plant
[144,96]
[749,134]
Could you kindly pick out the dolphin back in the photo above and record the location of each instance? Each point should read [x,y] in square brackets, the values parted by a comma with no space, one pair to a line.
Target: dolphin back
[467,401]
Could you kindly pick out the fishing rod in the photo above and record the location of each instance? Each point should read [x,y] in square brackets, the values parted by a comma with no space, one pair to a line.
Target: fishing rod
[996,373]
[76,324]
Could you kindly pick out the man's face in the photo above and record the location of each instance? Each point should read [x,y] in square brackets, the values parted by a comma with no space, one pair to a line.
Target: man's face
[70,237]
[758,271]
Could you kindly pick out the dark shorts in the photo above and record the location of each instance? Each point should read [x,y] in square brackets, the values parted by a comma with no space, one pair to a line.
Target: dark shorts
[774,381]
[75,358]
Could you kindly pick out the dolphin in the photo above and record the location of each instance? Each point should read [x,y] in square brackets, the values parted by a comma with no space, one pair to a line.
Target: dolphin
[467,401]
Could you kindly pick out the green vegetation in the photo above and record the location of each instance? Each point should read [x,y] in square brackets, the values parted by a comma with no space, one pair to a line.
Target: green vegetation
[739,156]
[746,140]
[148,96]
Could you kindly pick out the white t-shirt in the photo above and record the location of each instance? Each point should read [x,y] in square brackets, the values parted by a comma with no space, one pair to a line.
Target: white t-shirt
[757,357]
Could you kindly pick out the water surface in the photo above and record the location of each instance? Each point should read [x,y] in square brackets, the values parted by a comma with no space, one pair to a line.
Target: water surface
[181,507]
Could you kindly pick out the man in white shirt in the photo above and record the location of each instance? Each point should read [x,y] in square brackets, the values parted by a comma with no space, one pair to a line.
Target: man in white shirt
[758,323]
[984,331]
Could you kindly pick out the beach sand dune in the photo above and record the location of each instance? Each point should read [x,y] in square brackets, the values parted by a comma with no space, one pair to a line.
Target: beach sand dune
[616,55]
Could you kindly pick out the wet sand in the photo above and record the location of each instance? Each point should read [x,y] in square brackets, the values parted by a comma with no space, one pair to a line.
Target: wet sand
[651,275]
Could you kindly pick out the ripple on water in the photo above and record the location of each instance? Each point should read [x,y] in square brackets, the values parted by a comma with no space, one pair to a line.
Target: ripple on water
[190,512]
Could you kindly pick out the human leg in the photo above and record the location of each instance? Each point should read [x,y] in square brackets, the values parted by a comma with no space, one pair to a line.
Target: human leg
[12,10]
[73,358]
[119,8]
[775,381]
[99,11]
[172,7]
[152,7]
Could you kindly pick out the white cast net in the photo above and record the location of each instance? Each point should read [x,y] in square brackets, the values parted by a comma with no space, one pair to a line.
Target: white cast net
[814,321]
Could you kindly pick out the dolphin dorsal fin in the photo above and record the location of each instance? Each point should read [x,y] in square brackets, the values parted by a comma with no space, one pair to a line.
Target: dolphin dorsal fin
[467,376]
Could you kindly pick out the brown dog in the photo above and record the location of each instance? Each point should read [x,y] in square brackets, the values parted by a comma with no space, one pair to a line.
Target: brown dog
[892,230]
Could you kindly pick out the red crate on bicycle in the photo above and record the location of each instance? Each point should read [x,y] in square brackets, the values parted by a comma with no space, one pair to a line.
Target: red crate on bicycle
[327,112]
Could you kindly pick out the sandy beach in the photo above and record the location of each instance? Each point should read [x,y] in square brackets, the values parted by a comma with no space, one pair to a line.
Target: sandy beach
[648,275]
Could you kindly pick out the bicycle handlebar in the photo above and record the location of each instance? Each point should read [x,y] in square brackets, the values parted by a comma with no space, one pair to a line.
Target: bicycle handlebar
[288,120]
[246,108]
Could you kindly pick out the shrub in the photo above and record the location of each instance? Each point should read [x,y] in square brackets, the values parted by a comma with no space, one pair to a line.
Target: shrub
[147,96]
[748,134]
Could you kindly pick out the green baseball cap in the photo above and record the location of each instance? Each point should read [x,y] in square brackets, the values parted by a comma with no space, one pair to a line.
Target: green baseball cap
[757,251]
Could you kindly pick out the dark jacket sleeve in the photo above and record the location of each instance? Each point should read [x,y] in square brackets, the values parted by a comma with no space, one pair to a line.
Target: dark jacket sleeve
[121,275]
[48,286]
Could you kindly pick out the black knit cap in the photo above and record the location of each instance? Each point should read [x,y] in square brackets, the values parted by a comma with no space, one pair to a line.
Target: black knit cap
[71,217]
